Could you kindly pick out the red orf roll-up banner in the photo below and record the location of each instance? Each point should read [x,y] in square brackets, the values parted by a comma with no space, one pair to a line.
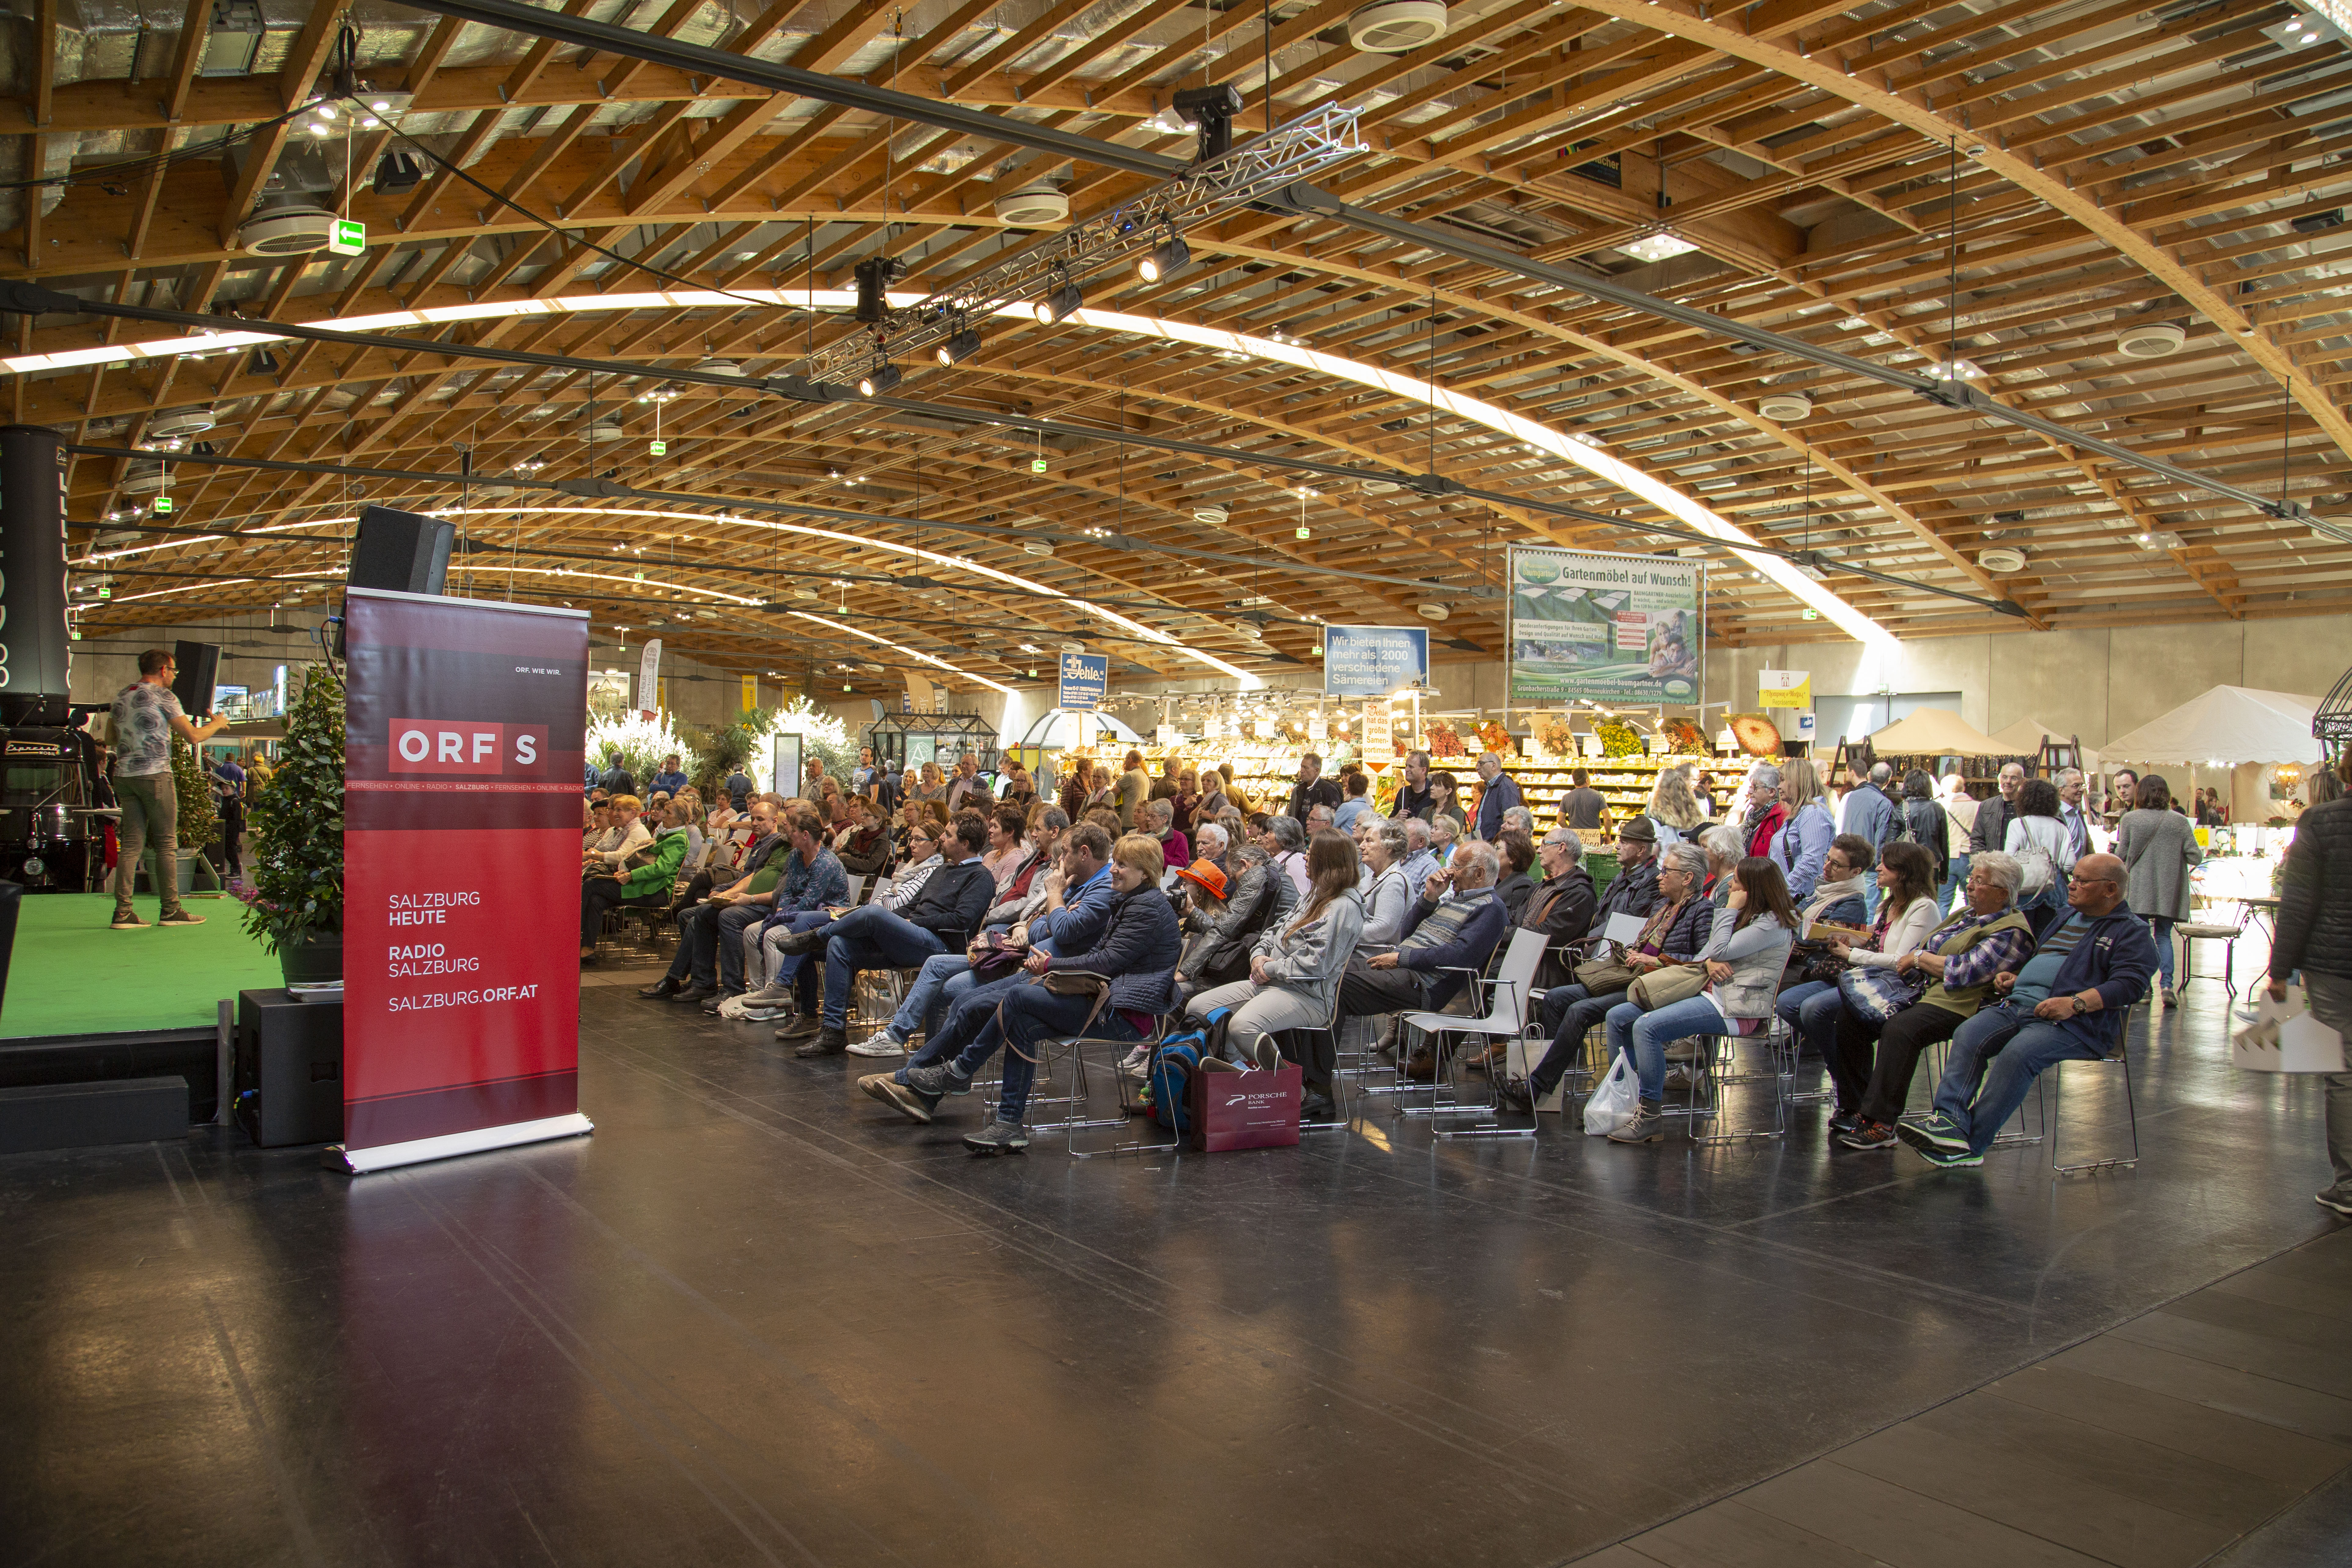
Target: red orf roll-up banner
[463,741]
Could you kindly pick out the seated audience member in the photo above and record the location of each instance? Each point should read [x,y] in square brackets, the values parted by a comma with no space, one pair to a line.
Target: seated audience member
[1285,843]
[1446,800]
[1158,818]
[1077,876]
[1210,843]
[596,820]
[941,918]
[1419,865]
[1676,930]
[1519,819]
[1636,887]
[621,842]
[1839,897]
[1723,851]
[1356,786]
[1907,913]
[645,884]
[1745,954]
[1040,851]
[1389,896]
[694,970]
[1293,975]
[912,817]
[1135,951]
[1258,896]
[2066,1003]
[1445,837]
[1561,905]
[1453,925]
[863,844]
[813,885]
[1319,818]
[1518,852]
[1872,1065]
[1005,851]
[1107,819]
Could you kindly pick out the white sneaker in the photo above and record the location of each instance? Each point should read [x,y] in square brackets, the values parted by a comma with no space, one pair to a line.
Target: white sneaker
[881,1043]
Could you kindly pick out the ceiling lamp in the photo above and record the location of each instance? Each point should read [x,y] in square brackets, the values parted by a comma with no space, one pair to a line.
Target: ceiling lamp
[2150,340]
[179,424]
[717,367]
[604,430]
[1396,27]
[1213,514]
[1033,206]
[1060,304]
[1431,609]
[963,346]
[1167,259]
[286,231]
[1785,407]
[1658,247]
[2002,560]
[1037,546]
[879,380]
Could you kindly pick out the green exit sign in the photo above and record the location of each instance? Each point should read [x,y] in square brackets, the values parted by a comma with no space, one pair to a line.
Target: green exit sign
[349,238]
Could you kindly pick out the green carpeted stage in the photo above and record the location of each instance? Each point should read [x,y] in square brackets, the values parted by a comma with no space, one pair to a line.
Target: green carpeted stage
[70,974]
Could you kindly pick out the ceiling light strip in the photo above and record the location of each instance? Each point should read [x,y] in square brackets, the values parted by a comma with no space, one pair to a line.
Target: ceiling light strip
[900,647]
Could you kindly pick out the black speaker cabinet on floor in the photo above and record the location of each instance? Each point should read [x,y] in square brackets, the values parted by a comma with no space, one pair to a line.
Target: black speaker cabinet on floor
[401,551]
[199,666]
[289,1068]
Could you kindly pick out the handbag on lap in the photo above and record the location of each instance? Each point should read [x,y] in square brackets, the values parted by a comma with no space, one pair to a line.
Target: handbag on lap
[1876,993]
[1664,987]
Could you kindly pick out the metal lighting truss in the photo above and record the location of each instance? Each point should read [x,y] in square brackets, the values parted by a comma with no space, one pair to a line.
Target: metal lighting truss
[1257,169]
[1305,198]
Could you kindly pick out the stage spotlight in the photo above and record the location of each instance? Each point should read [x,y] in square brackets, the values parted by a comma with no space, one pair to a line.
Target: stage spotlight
[1061,304]
[1166,261]
[963,346]
[880,379]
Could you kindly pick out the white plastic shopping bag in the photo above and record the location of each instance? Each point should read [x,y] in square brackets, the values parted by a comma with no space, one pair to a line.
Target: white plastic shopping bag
[2284,1037]
[1613,1103]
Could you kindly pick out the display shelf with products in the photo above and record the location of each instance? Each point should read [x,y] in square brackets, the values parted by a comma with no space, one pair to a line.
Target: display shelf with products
[1624,782]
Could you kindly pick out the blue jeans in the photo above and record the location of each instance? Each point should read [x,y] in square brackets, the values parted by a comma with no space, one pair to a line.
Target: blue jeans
[945,978]
[869,937]
[1020,1011]
[2006,1047]
[2161,928]
[1644,1037]
[788,965]
[1809,1008]
[1956,871]
[973,1009]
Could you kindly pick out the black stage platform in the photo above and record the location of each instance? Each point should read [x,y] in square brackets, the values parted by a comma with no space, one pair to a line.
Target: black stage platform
[756,1318]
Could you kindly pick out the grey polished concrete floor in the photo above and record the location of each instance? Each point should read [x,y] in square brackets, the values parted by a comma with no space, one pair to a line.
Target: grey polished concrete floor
[759,1318]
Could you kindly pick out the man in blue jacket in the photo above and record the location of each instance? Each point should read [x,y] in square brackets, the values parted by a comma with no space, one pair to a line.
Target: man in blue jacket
[1870,814]
[2066,1003]
[1135,951]
[1501,794]
[1071,921]
[944,916]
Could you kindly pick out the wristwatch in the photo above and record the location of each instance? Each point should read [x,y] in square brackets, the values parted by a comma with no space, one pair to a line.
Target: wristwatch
[2079,1008]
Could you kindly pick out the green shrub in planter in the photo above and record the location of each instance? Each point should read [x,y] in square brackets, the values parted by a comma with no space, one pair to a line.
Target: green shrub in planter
[295,869]
[199,817]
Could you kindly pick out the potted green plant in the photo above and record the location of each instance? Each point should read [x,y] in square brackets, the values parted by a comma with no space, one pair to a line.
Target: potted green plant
[198,816]
[294,902]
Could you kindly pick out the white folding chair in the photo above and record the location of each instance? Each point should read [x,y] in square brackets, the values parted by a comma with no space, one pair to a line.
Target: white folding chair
[1509,996]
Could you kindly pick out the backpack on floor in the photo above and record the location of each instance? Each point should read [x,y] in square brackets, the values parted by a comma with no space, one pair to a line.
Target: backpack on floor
[1172,1067]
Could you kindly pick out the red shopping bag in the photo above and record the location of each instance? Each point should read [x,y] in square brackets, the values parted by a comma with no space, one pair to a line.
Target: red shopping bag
[1240,1108]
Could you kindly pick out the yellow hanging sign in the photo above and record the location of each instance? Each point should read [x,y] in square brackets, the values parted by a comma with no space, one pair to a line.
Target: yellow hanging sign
[1784,688]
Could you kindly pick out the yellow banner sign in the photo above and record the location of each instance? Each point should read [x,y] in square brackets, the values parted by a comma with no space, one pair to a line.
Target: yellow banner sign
[1784,688]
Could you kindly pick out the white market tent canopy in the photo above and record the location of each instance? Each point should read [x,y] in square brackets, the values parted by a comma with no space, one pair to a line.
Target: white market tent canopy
[1935,732]
[2228,724]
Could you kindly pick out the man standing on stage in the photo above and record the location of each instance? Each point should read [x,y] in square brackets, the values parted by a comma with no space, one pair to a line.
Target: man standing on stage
[146,717]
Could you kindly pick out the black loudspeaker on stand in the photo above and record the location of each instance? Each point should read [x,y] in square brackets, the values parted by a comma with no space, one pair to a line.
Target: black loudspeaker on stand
[401,551]
[199,672]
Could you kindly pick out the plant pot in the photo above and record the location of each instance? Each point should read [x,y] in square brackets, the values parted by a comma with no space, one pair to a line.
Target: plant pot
[313,960]
[186,872]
